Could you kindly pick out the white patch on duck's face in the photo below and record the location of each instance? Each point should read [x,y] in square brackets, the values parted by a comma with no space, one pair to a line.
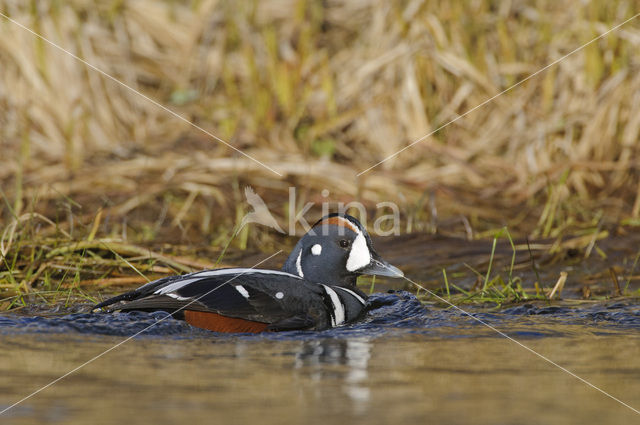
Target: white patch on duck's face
[279,295]
[316,249]
[359,255]
[298,265]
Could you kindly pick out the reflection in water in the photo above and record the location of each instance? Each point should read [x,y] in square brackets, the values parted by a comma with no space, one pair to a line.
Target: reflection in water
[358,355]
[353,353]
[403,364]
[406,379]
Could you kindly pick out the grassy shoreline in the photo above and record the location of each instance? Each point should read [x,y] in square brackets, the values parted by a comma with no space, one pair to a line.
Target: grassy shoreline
[101,185]
[44,265]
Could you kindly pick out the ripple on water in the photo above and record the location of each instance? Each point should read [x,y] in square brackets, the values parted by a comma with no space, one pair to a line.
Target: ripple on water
[391,314]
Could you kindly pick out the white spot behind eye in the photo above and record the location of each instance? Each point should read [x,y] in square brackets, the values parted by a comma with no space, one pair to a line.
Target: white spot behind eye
[359,255]
[279,295]
[242,291]
[316,249]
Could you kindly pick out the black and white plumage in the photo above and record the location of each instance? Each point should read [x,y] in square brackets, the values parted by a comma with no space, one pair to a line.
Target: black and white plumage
[314,290]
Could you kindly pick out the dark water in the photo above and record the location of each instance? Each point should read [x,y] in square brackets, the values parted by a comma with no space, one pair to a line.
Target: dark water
[405,363]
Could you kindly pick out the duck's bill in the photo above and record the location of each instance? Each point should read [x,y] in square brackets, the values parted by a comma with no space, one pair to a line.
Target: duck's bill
[379,267]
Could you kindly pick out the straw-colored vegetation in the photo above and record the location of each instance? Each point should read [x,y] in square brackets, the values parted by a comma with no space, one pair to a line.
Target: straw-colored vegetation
[317,91]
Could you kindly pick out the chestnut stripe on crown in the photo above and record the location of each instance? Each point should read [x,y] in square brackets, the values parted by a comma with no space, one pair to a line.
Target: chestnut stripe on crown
[340,222]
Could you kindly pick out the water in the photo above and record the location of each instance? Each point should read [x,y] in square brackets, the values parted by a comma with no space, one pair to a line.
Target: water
[404,364]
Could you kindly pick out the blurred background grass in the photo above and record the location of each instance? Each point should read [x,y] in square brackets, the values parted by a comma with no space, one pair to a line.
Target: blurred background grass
[319,91]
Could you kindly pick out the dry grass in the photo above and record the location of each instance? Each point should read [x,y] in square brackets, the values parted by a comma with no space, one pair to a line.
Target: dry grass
[318,91]
[319,94]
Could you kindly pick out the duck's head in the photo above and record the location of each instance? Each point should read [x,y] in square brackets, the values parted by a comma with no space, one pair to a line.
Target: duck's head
[336,251]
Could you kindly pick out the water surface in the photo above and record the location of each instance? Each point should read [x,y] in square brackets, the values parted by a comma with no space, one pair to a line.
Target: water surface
[404,364]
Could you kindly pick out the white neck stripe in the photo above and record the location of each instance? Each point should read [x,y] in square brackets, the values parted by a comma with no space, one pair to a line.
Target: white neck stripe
[337,318]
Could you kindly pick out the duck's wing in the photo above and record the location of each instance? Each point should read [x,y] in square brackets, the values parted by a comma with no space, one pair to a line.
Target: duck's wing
[233,300]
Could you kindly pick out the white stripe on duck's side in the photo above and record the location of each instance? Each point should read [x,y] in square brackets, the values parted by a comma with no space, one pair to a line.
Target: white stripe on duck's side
[198,276]
[337,318]
[172,287]
[178,297]
[242,291]
[208,273]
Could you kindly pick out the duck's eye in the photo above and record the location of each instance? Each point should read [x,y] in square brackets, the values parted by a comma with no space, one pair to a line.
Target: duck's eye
[344,243]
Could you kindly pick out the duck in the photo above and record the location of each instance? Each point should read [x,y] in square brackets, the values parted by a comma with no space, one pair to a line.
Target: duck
[314,290]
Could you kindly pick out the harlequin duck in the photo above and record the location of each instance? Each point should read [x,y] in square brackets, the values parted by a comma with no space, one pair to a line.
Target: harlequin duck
[316,288]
